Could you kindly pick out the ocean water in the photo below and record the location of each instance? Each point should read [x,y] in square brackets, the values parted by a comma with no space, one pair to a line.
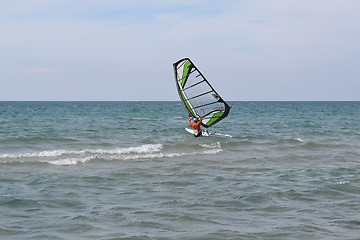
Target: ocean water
[129,170]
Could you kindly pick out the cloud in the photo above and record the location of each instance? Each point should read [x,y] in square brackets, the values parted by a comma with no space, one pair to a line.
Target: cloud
[251,46]
[39,70]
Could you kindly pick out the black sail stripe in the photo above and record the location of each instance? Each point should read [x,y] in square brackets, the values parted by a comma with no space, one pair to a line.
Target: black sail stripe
[194,85]
[200,95]
[207,104]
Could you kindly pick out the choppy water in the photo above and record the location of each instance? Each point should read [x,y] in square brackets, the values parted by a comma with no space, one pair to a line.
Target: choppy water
[128,170]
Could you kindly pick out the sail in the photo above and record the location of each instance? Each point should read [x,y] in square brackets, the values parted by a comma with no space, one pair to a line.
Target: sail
[197,95]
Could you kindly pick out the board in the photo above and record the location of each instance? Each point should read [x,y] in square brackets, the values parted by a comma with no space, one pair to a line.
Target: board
[207,134]
[191,131]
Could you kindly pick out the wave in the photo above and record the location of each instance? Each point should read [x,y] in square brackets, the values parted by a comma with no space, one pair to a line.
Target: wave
[298,140]
[212,145]
[312,145]
[55,153]
[64,157]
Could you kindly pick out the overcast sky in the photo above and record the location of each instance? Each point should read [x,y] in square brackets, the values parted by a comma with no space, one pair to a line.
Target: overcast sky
[124,50]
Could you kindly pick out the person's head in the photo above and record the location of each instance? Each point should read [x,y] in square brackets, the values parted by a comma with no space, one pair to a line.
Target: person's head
[196,120]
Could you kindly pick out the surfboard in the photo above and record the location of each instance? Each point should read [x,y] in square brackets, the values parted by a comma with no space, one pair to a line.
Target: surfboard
[191,131]
[207,134]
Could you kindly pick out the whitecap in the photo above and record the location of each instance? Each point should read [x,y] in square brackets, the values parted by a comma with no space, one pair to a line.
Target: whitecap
[62,157]
[53,153]
[342,182]
[147,148]
[213,145]
[70,161]
[72,157]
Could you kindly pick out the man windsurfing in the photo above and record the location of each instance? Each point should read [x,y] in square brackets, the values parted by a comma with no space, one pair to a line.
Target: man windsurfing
[196,125]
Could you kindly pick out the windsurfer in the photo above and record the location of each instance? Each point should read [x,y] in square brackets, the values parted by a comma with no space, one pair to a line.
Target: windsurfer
[196,126]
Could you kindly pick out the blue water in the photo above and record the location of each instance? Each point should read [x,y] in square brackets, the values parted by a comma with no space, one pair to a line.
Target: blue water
[129,170]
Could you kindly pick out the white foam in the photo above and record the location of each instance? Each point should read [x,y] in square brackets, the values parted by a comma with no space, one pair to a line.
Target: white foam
[63,157]
[342,182]
[153,155]
[70,161]
[148,148]
[213,145]
[171,155]
[54,153]
[212,151]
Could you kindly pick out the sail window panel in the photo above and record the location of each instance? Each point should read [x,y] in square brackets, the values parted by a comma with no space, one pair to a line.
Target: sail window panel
[197,90]
[193,77]
[201,96]
[203,106]
[210,108]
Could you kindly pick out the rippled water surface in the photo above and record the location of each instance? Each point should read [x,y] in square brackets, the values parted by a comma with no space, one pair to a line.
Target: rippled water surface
[129,170]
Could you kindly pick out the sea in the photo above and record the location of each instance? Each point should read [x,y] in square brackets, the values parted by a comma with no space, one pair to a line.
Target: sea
[129,170]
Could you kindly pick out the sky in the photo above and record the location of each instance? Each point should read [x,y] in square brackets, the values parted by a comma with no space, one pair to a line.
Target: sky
[117,50]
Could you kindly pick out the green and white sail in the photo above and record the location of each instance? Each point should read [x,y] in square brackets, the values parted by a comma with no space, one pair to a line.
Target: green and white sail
[197,95]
